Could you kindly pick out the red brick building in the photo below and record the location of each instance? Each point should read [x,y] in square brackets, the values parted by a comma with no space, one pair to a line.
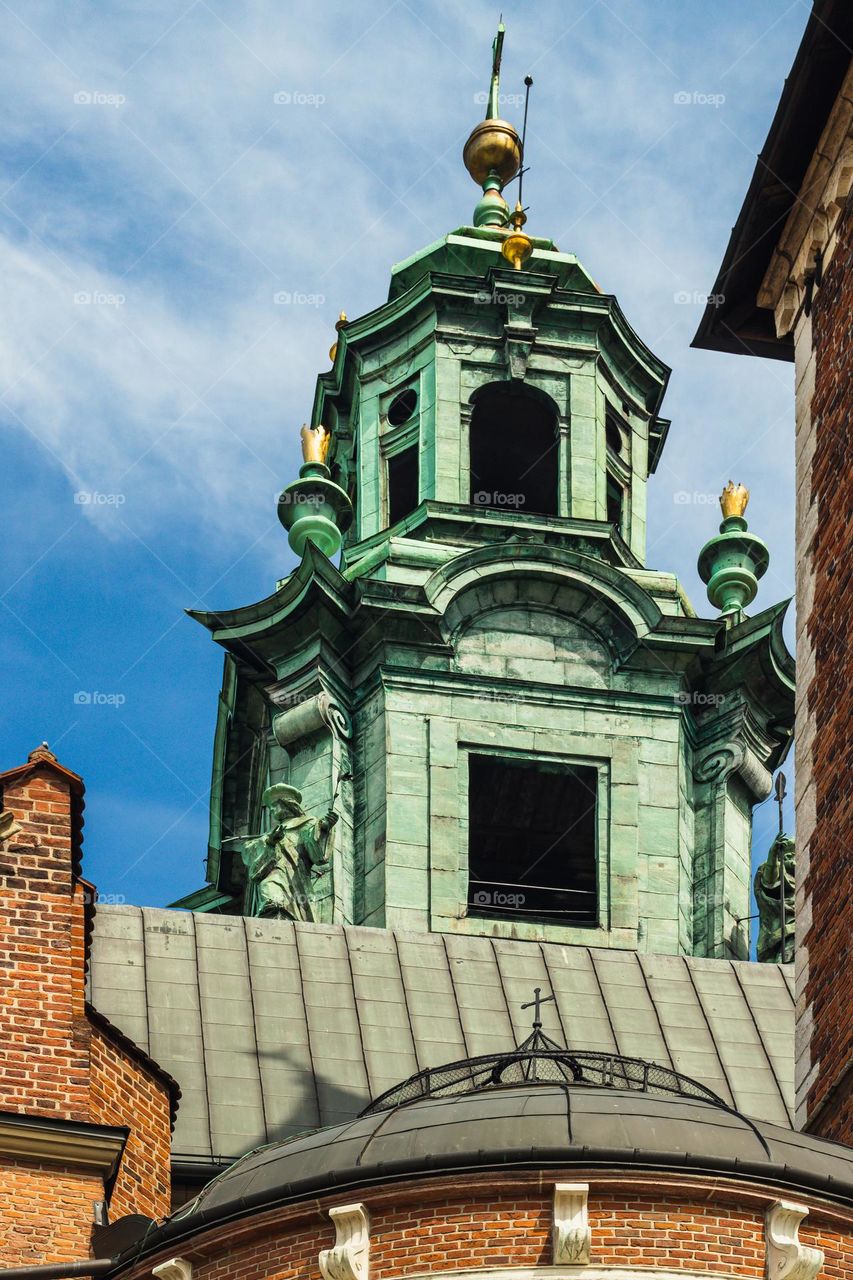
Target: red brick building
[86,1118]
[787,282]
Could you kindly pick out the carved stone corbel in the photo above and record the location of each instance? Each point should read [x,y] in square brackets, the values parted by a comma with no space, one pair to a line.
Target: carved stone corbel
[726,758]
[570,1231]
[786,1257]
[787,310]
[518,343]
[318,712]
[348,1259]
[174,1269]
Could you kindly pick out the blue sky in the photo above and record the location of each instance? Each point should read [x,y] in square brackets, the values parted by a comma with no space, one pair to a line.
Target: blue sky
[156,197]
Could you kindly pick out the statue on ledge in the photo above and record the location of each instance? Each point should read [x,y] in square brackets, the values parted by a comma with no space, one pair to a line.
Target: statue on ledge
[774,893]
[288,869]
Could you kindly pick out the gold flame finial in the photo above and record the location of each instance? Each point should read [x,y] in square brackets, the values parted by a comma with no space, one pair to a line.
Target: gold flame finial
[339,324]
[518,246]
[733,500]
[315,443]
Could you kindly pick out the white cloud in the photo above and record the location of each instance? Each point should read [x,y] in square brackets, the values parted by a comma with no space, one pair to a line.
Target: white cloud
[200,197]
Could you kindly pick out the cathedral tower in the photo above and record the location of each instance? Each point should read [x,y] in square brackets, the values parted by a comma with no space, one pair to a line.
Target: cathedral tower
[523,729]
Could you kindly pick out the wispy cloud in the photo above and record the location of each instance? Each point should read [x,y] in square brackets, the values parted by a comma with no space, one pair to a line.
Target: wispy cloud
[167,171]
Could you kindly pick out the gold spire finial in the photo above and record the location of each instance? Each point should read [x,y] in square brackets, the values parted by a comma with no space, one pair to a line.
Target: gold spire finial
[315,443]
[518,246]
[733,500]
[339,324]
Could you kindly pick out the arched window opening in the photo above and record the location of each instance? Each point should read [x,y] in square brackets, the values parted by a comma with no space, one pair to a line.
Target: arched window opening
[613,432]
[532,844]
[514,451]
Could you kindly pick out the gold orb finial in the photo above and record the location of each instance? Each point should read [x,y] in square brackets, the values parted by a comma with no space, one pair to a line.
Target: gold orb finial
[315,443]
[733,500]
[339,324]
[518,246]
[492,147]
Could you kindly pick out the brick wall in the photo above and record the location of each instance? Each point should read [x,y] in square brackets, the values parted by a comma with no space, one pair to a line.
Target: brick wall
[44,1046]
[123,1094]
[505,1220]
[825,1007]
[58,1059]
[46,1212]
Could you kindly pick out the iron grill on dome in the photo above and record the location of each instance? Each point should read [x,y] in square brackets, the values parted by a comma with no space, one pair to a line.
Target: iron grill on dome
[539,1060]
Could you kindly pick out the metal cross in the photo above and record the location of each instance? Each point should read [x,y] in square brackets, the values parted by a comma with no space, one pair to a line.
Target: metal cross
[536,1004]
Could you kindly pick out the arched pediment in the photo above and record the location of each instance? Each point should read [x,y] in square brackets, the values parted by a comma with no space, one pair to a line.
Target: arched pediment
[534,643]
[602,599]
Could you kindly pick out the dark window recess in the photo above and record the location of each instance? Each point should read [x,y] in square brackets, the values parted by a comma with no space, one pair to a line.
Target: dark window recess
[402,407]
[514,451]
[615,503]
[402,483]
[613,432]
[532,841]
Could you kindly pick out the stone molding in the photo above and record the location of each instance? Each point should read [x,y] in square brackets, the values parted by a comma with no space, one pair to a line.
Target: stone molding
[571,1235]
[787,1258]
[173,1269]
[85,1146]
[348,1259]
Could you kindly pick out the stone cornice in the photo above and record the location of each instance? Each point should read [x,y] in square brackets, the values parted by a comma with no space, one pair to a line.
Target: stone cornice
[810,228]
[39,1138]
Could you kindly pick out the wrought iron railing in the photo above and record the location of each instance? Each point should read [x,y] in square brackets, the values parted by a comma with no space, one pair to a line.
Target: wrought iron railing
[534,1064]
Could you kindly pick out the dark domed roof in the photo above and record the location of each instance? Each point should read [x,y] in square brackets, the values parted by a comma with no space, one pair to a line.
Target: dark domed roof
[534,1125]
[536,1106]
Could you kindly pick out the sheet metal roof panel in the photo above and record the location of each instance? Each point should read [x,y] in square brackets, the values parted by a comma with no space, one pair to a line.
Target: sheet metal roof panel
[318,1018]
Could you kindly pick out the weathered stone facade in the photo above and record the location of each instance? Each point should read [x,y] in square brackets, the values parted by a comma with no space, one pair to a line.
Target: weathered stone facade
[470,629]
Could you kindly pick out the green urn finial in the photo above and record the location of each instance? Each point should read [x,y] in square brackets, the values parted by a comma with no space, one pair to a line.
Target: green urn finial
[492,155]
[732,562]
[314,508]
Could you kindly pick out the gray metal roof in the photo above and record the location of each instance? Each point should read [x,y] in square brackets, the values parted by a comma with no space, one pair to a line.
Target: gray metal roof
[271,1028]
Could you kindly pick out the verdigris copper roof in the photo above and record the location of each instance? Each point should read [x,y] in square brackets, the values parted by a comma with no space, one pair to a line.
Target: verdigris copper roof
[272,1028]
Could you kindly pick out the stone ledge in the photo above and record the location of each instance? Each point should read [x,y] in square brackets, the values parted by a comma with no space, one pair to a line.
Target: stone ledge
[43,1138]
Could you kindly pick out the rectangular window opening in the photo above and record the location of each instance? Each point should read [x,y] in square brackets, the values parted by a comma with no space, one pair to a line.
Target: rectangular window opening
[615,503]
[532,846]
[403,482]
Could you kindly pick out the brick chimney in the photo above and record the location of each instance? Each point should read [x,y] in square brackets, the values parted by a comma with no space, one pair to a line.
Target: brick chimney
[85,1115]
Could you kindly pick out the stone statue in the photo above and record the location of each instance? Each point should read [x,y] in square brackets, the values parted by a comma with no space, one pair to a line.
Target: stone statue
[772,879]
[288,869]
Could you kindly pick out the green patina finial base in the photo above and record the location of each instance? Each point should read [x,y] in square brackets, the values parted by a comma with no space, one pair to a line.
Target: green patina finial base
[492,210]
[731,564]
[315,509]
